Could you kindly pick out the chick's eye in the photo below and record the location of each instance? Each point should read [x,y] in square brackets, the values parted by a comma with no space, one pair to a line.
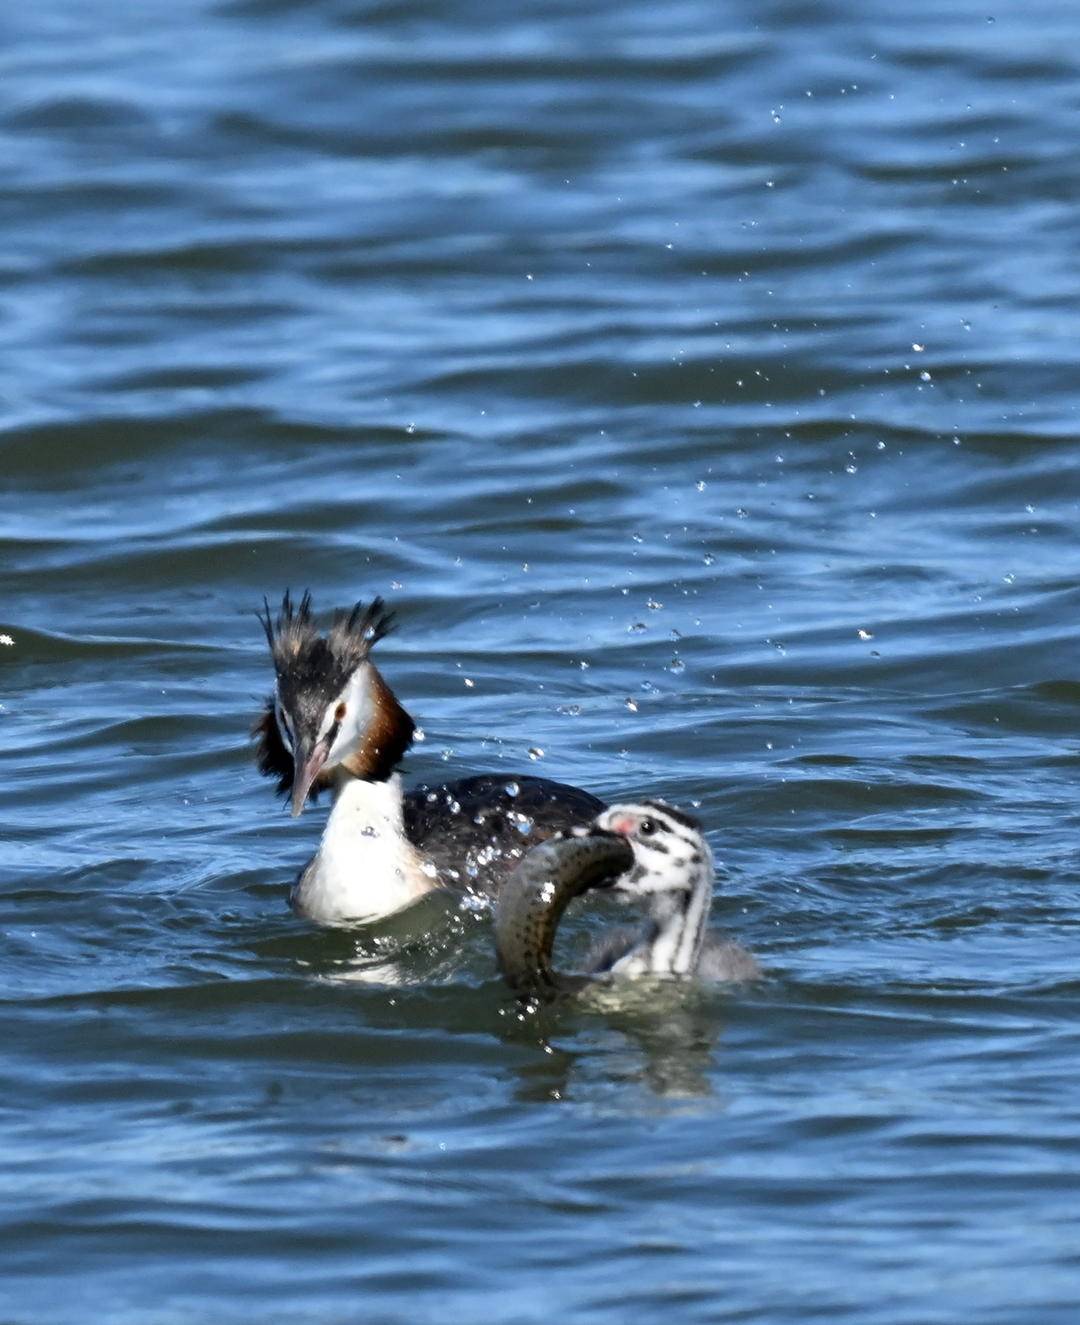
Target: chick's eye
[647,827]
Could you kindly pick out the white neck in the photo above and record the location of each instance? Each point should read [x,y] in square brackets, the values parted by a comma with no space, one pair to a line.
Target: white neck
[676,932]
[365,867]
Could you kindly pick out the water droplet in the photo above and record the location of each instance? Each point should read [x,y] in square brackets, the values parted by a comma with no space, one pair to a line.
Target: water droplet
[396,584]
[535,752]
[924,376]
[469,683]
[653,605]
[631,704]
[419,734]
[708,559]
[368,831]
[742,512]
[917,348]
[428,867]
[700,485]
[677,666]
[636,628]
[511,788]
[569,710]
[865,634]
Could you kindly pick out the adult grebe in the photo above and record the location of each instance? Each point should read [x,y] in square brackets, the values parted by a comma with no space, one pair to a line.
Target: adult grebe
[333,722]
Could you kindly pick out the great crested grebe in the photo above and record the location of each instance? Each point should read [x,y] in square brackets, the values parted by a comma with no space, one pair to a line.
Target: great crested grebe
[646,850]
[333,722]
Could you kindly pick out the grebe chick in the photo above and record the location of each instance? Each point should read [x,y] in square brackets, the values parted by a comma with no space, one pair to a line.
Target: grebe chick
[673,873]
[332,722]
[644,850]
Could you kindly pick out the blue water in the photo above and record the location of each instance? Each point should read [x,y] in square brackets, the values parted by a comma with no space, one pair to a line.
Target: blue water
[698,381]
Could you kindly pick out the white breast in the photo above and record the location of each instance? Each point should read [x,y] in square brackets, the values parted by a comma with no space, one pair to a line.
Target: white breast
[365,867]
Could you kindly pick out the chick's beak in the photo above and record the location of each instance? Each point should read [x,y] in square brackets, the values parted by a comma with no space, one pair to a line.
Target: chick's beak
[307,761]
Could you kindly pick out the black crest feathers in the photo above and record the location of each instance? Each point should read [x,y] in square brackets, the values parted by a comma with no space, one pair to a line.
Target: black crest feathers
[273,759]
[295,641]
[312,668]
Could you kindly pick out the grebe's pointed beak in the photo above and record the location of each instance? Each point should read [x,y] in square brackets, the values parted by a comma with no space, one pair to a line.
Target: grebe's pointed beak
[307,761]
